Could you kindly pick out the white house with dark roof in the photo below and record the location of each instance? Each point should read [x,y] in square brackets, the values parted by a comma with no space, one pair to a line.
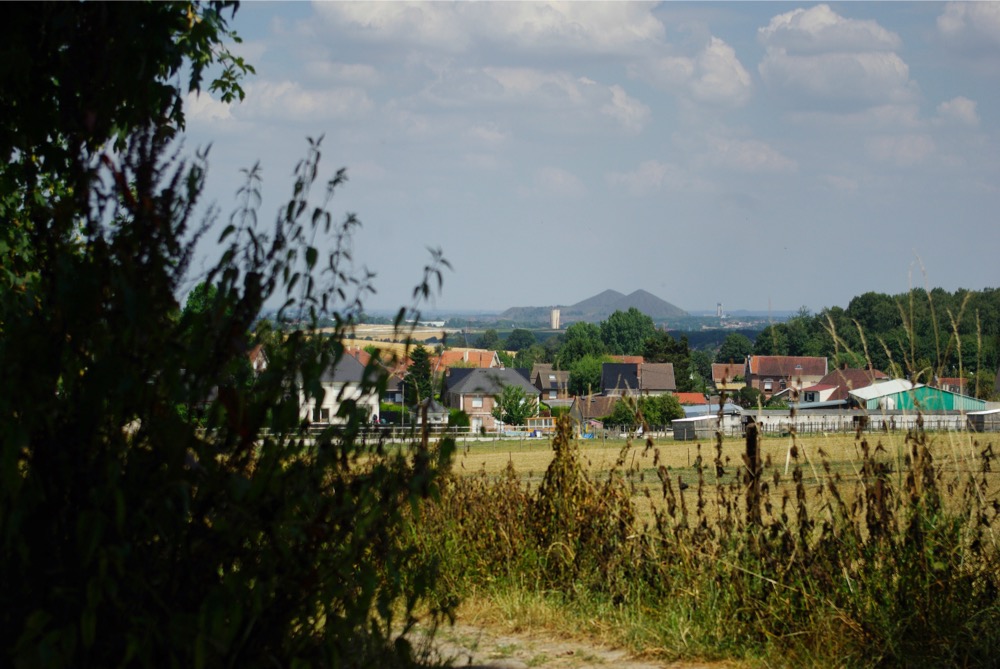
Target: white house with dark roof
[341,383]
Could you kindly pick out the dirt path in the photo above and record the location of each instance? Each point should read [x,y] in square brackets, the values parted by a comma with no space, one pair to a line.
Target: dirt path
[469,647]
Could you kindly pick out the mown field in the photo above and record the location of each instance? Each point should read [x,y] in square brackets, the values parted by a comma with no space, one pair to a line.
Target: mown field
[822,458]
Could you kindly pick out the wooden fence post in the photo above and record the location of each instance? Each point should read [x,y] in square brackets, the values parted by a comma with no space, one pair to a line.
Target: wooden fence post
[752,474]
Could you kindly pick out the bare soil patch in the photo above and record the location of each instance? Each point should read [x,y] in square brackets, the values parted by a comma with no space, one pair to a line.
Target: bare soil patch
[469,646]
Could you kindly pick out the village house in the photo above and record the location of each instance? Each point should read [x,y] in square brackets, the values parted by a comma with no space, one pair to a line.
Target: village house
[590,410]
[341,383]
[552,383]
[464,358]
[771,374]
[645,378]
[474,391]
[728,377]
[837,385]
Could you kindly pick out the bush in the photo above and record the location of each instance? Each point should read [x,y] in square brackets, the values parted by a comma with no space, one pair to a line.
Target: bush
[458,418]
[130,534]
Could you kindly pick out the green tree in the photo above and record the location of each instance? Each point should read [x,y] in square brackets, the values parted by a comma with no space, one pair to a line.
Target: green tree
[129,536]
[661,347]
[876,313]
[749,398]
[625,332]
[772,340]
[585,375]
[735,348]
[580,340]
[527,358]
[506,359]
[701,370]
[514,406]
[489,340]
[623,413]
[418,382]
[519,339]
[660,409]
[458,418]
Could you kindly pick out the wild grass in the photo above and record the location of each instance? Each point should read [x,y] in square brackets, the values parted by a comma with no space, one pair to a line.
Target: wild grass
[861,553]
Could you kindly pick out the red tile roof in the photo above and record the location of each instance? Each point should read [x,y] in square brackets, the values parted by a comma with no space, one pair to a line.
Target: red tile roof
[690,398]
[789,366]
[631,359]
[477,358]
[847,380]
[726,372]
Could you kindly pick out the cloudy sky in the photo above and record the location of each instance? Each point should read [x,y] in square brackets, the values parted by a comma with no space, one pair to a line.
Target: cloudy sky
[755,154]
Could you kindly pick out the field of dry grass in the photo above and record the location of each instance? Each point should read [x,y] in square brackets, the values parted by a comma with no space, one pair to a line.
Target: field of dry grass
[823,458]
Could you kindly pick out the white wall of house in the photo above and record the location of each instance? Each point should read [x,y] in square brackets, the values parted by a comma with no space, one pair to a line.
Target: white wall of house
[335,394]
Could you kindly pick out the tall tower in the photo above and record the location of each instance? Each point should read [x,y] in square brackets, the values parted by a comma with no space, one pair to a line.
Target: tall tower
[554,319]
[718,310]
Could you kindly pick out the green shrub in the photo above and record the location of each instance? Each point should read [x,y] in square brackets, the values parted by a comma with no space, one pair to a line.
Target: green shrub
[458,418]
[132,534]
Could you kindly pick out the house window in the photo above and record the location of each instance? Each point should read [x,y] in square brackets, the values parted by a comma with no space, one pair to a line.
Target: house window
[552,377]
[477,402]
[782,384]
[553,395]
[768,384]
[321,414]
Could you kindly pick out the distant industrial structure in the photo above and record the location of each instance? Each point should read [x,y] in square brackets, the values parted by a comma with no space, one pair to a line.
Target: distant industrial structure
[718,310]
[554,319]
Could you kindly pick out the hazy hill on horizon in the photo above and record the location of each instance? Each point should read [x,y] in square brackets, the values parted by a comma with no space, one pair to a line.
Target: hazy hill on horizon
[598,307]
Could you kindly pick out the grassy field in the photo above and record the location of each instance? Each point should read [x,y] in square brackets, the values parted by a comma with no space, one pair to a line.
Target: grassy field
[866,552]
[823,458]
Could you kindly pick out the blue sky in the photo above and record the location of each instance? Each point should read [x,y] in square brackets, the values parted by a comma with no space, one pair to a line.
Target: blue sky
[762,155]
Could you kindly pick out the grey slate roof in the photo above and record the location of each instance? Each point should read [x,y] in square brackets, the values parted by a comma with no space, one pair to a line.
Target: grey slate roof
[621,376]
[489,382]
[657,376]
[347,370]
[546,378]
[642,377]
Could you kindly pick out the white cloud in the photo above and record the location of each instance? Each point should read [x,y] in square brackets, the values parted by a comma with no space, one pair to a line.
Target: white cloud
[586,27]
[960,110]
[971,24]
[713,76]
[901,150]
[481,161]
[203,107]
[343,73]
[290,100]
[487,134]
[817,55]
[888,116]
[558,182]
[537,91]
[871,77]
[841,184]
[628,111]
[721,77]
[747,155]
[821,30]
[652,176]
